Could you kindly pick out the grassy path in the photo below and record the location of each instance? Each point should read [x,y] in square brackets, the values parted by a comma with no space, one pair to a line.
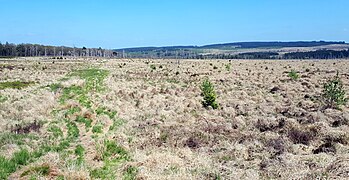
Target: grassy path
[82,135]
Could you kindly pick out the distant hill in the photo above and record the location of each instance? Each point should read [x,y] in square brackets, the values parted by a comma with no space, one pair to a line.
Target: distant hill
[249,50]
[271,44]
[235,45]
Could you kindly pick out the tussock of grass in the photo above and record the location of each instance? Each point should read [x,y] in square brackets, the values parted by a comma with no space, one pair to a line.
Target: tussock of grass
[42,170]
[12,138]
[116,123]
[55,87]
[108,112]
[93,82]
[293,75]
[80,151]
[15,84]
[86,121]
[71,92]
[112,149]
[8,166]
[113,155]
[73,130]
[93,77]
[97,129]
[3,99]
[130,173]
[57,132]
[73,110]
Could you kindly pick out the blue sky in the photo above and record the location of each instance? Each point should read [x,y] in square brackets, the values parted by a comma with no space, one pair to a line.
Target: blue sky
[134,23]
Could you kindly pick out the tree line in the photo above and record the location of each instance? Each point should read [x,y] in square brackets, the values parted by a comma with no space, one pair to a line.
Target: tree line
[31,50]
[319,54]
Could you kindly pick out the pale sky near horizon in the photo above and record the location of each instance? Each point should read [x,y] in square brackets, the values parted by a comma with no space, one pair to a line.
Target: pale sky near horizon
[136,23]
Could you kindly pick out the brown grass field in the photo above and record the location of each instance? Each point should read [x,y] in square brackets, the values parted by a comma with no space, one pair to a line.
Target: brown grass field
[144,119]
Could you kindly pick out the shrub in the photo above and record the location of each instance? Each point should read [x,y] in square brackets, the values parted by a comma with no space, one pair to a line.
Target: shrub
[228,67]
[293,75]
[209,94]
[333,92]
[153,67]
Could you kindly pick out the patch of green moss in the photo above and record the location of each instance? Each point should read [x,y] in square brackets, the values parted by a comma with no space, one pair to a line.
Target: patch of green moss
[15,84]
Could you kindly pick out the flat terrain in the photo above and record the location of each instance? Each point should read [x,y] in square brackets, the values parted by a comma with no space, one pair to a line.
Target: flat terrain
[144,119]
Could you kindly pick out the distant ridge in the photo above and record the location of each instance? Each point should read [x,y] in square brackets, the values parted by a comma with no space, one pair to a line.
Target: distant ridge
[244,50]
[235,45]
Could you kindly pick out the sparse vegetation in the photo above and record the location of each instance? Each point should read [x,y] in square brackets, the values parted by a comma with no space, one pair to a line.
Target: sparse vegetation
[128,123]
[293,75]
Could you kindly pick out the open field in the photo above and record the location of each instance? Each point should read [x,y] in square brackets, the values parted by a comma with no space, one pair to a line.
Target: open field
[144,119]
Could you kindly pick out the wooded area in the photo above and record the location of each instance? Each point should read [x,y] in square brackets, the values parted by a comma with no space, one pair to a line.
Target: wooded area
[27,50]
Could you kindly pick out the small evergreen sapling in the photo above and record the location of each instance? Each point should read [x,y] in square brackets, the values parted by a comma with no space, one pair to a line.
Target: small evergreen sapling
[209,94]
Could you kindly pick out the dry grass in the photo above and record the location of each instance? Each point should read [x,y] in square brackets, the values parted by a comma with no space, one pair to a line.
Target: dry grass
[150,123]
